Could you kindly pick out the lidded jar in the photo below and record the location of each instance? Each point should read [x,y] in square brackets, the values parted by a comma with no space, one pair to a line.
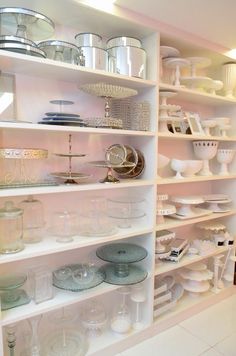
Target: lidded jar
[33,220]
[11,228]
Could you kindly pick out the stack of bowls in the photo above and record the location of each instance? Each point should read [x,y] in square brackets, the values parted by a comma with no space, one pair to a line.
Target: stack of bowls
[91,48]
[127,57]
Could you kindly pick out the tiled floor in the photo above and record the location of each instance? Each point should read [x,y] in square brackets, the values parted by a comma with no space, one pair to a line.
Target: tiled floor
[209,333]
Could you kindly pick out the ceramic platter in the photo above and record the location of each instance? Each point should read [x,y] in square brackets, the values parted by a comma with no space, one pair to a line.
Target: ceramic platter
[197,287]
[196,212]
[166,51]
[197,82]
[168,280]
[78,277]
[177,292]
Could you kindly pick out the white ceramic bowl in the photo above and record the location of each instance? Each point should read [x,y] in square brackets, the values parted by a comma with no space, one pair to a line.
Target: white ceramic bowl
[205,150]
[179,166]
[225,156]
[193,167]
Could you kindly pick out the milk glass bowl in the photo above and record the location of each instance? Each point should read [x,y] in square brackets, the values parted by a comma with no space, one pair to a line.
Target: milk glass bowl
[179,166]
[205,150]
[224,157]
[193,167]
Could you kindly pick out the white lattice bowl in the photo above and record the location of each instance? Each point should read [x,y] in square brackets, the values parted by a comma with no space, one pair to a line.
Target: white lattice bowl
[224,157]
[205,150]
[179,166]
[193,167]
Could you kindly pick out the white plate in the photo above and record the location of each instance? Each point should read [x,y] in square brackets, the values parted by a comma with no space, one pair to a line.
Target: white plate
[197,213]
[166,51]
[177,292]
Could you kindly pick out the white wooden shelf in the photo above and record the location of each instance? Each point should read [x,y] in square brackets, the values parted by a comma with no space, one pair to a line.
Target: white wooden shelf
[174,223]
[49,245]
[188,306]
[172,180]
[198,97]
[167,266]
[17,63]
[179,136]
[85,130]
[62,298]
[129,183]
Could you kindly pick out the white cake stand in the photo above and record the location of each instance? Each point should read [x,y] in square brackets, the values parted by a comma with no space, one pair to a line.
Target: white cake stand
[186,203]
[165,52]
[166,94]
[166,210]
[177,64]
[198,62]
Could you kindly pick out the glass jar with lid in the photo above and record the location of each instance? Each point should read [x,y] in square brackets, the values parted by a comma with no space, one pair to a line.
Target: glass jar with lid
[33,219]
[11,228]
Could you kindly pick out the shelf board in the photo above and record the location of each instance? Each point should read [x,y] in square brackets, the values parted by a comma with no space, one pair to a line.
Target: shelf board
[86,130]
[62,298]
[194,179]
[198,96]
[179,136]
[167,266]
[129,183]
[49,245]
[173,223]
[18,63]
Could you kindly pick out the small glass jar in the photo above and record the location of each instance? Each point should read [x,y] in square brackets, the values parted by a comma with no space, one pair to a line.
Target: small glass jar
[33,220]
[11,228]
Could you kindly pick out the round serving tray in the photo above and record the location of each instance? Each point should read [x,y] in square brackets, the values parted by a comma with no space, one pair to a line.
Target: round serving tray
[23,48]
[23,153]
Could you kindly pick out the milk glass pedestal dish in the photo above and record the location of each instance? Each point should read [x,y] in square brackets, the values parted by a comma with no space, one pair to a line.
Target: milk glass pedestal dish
[179,166]
[205,151]
[121,270]
[12,296]
[177,64]
[166,52]
[224,157]
[186,209]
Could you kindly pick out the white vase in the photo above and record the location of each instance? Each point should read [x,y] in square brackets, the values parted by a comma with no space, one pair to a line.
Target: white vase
[229,79]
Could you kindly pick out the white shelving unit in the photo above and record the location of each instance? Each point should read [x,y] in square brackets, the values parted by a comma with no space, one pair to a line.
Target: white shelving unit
[40,80]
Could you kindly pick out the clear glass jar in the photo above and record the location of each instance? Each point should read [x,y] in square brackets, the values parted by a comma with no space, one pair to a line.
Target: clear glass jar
[11,228]
[33,219]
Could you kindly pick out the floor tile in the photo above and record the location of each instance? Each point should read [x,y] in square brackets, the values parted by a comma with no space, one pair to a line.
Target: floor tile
[215,323]
[211,352]
[227,346]
[172,342]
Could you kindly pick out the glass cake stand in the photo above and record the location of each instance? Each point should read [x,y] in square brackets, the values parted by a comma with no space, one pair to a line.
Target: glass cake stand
[12,296]
[78,277]
[110,167]
[25,23]
[121,270]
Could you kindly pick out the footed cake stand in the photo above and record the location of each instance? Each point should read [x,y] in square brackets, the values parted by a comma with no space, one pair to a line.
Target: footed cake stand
[121,270]
[163,208]
[186,210]
[177,64]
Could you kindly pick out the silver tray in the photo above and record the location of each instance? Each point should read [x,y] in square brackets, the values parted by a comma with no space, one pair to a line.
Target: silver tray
[37,26]
[17,39]
[23,48]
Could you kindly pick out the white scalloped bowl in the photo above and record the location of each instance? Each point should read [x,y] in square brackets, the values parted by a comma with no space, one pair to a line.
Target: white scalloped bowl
[179,166]
[205,150]
[225,155]
[193,167]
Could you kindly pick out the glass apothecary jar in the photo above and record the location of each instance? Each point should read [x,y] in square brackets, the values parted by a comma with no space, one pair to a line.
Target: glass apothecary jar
[11,228]
[33,219]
